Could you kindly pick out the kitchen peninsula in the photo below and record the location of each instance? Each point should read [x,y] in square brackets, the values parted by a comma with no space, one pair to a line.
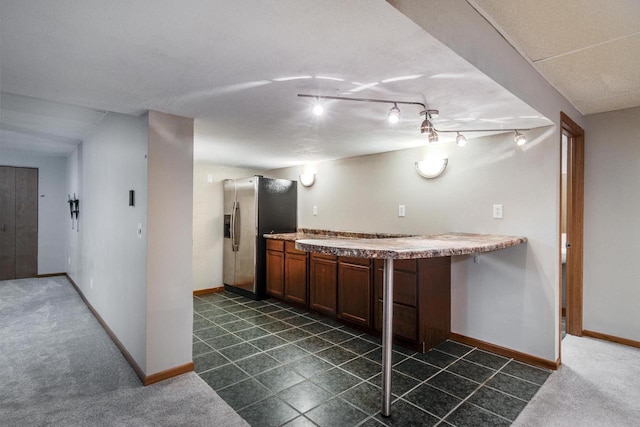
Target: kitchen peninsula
[339,274]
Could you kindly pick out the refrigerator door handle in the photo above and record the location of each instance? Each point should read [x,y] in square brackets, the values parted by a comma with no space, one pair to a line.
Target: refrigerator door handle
[235,232]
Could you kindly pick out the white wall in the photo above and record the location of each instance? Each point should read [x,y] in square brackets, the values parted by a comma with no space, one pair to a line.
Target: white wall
[53,211]
[508,298]
[612,224]
[481,45]
[108,260]
[208,221]
[169,263]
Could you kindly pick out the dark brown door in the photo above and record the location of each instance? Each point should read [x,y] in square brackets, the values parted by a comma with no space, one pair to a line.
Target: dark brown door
[323,283]
[18,223]
[7,223]
[275,273]
[295,278]
[354,293]
[26,222]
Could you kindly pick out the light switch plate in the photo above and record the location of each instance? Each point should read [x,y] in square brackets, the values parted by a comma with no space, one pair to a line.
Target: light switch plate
[139,230]
[315,210]
[401,211]
[497,211]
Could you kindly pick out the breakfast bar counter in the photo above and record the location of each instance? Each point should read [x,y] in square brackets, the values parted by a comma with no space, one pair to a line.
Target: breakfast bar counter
[399,248]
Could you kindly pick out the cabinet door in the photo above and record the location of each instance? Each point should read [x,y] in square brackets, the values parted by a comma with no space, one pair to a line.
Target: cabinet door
[295,278]
[275,273]
[323,284]
[354,293]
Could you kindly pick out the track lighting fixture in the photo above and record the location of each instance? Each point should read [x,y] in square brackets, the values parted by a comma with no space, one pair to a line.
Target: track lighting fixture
[394,114]
[520,139]
[433,136]
[426,128]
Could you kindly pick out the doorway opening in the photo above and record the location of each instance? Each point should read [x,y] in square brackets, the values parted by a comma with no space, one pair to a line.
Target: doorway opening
[571,226]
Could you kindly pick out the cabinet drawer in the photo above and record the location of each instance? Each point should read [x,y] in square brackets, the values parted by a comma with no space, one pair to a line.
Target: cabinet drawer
[405,287]
[405,321]
[290,248]
[400,264]
[357,261]
[275,245]
[323,256]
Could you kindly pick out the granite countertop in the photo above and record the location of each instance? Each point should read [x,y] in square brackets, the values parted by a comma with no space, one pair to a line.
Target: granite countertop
[313,234]
[408,247]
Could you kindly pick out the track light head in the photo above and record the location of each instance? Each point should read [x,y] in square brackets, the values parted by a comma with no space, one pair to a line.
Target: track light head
[394,114]
[433,136]
[461,140]
[520,139]
[426,126]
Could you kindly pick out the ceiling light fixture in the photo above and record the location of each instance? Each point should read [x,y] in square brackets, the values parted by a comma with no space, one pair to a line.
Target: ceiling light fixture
[317,109]
[307,179]
[426,128]
[520,139]
[394,114]
[432,167]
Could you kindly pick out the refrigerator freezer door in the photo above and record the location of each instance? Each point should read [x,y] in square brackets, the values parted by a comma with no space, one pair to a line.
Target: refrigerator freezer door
[245,224]
[229,256]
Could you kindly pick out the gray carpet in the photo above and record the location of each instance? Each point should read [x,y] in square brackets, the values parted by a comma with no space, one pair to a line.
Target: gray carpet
[58,367]
[597,385]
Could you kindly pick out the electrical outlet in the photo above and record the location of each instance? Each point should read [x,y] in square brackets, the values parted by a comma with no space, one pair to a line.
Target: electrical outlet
[497,211]
[91,283]
[401,211]
[69,260]
[315,210]
[139,230]
[476,259]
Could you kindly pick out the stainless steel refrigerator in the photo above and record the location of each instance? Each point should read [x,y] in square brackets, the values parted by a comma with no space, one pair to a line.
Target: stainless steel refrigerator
[253,207]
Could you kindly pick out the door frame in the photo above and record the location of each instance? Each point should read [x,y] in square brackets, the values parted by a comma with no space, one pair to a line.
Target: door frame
[575,226]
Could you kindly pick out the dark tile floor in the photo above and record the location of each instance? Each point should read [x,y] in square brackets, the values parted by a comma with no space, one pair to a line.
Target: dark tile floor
[278,365]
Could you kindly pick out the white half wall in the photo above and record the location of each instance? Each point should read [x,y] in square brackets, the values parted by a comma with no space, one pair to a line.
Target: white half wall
[169,263]
[509,297]
[108,260]
[53,211]
[612,224]
[208,221]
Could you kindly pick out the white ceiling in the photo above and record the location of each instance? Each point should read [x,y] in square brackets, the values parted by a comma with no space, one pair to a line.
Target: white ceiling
[225,63]
[588,49]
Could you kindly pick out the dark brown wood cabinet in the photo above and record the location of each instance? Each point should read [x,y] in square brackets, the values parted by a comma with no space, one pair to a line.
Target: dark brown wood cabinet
[350,289]
[275,268]
[421,300]
[323,283]
[287,271]
[355,291]
[295,274]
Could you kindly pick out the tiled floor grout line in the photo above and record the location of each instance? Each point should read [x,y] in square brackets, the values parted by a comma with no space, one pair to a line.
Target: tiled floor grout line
[474,392]
[318,335]
[276,394]
[309,351]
